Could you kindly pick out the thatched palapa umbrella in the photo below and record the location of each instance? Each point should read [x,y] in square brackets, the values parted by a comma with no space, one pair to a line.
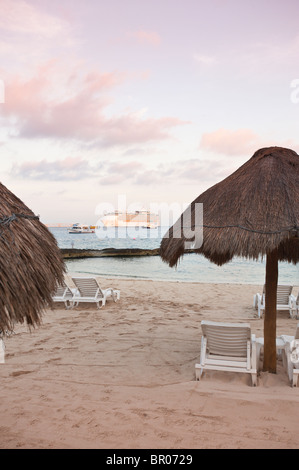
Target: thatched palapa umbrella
[252,213]
[31,264]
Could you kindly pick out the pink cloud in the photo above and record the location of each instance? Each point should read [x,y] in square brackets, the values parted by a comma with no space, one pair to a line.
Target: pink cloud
[112,180]
[24,98]
[131,129]
[240,142]
[72,105]
[119,172]
[231,142]
[106,172]
[150,177]
[70,168]
[148,37]
[192,171]
[127,168]
[22,17]
[205,59]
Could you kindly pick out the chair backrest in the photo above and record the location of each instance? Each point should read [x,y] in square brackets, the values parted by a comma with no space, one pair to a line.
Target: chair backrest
[88,287]
[226,339]
[60,290]
[283,293]
[63,290]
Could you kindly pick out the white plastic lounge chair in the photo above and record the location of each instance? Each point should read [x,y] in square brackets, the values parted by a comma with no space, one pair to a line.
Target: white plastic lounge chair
[284,300]
[228,347]
[2,351]
[4,334]
[63,294]
[295,306]
[290,351]
[88,290]
[280,345]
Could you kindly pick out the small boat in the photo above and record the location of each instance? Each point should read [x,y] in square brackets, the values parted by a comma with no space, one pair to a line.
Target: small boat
[81,228]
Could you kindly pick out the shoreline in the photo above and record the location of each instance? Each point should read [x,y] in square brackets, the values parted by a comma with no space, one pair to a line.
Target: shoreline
[191,268]
[114,277]
[179,281]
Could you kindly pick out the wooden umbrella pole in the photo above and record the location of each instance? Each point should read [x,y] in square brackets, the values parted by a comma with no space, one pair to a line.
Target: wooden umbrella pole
[270,312]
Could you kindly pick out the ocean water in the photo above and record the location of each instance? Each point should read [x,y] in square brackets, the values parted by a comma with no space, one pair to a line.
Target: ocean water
[191,268]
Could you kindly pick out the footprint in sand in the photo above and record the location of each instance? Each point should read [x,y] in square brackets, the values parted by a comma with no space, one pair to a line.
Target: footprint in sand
[53,360]
[20,372]
[38,343]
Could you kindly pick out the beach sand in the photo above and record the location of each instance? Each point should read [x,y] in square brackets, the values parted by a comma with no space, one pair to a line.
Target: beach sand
[123,377]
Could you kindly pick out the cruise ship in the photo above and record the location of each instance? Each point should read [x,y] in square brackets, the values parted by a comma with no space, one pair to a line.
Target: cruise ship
[141,218]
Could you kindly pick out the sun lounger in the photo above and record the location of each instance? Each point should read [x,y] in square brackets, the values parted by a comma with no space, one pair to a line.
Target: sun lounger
[88,290]
[63,294]
[227,347]
[291,356]
[2,351]
[284,300]
[295,306]
[280,345]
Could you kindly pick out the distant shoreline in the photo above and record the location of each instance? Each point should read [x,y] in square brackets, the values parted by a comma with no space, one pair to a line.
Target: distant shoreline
[76,253]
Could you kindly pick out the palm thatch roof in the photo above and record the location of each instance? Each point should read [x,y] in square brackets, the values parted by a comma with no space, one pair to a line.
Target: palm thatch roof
[31,264]
[250,213]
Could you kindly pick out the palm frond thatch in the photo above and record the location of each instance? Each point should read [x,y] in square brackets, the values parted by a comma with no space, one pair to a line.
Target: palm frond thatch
[249,214]
[31,264]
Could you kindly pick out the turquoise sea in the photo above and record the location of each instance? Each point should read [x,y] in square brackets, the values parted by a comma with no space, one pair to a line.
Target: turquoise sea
[192,267]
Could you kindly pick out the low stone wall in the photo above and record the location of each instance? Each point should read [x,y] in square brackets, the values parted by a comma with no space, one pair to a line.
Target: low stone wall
[72,253]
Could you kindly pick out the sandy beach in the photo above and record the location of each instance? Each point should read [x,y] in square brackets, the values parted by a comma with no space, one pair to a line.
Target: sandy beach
[123,377]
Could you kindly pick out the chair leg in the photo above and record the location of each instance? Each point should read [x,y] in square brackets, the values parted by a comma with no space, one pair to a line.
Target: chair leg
[254,379]
[2,352]
[115,296]
[198,371]
[295,377]
[259,348]
[289,367]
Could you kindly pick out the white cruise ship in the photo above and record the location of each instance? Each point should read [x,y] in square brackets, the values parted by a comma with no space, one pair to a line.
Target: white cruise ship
[141,218]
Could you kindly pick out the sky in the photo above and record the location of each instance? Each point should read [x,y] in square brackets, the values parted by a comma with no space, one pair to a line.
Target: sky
[129,104]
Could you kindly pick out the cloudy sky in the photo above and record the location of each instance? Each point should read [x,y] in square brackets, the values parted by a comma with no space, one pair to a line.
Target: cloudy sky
[147,101]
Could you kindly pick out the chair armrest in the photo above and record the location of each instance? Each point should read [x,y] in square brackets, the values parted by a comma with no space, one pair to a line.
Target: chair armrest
[256,299]
[254,357]
[203,350]
[260,304]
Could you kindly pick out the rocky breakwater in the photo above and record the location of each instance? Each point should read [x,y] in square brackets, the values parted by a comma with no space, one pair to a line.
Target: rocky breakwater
[75,253]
